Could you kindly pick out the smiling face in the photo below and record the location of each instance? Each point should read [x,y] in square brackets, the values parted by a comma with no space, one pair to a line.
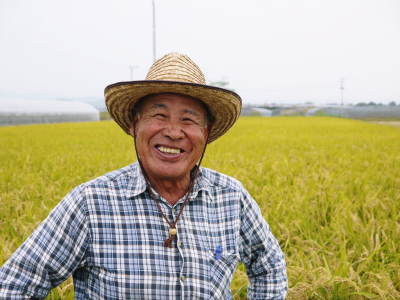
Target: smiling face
[170,136]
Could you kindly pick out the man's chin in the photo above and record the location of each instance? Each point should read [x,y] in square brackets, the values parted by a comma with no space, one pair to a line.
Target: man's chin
[169,174]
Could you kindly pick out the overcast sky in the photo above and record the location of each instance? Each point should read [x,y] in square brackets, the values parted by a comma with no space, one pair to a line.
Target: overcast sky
[268,50]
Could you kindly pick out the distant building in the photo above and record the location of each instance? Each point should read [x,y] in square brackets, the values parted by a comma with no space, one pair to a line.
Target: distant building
[19,111]
[256,111]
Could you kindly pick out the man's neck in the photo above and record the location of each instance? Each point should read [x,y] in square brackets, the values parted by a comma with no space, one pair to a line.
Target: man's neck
[171,190]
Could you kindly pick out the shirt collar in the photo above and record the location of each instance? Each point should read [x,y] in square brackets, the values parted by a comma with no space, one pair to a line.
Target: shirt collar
[137,182]
[201,183]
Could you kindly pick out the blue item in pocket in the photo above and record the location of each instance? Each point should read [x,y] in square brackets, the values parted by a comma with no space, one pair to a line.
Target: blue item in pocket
[218,252]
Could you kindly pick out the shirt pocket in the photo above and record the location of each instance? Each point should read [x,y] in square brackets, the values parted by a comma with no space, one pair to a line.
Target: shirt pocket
[221,269]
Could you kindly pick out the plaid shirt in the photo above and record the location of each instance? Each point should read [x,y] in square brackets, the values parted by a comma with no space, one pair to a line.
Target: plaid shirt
[109,234]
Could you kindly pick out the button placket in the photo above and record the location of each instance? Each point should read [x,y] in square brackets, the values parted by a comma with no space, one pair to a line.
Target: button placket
[173,210]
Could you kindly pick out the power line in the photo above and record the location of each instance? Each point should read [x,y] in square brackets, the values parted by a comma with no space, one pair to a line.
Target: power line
[154,31]
[341,91]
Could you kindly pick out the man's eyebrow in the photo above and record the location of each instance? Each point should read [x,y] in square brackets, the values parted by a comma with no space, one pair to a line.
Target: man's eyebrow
[158,105]
[192,112]
[163,106]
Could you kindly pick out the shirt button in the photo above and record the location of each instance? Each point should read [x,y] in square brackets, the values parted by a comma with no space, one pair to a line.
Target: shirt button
[180,244]
[183,278]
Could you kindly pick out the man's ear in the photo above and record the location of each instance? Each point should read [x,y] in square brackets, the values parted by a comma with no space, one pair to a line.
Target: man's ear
[208,131]
[133,126]
[132,130]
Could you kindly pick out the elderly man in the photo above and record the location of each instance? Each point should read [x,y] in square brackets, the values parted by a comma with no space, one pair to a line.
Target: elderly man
[161,228]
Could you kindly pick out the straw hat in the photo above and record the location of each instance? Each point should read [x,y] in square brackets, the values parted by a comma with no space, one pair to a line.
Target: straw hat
[174,73]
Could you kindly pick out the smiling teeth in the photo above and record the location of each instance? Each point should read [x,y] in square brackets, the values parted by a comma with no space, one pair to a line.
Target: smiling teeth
[169,150]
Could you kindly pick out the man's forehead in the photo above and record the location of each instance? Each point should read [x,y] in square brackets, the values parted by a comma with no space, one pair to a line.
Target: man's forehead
[166,101]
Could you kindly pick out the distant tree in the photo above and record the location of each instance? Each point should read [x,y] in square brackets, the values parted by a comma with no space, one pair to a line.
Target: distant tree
[361,104]
[392,103]
[220,83]
[371,103]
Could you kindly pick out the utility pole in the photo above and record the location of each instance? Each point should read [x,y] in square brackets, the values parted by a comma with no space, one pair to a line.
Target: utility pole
[154,31]
[131,68]
[341,90]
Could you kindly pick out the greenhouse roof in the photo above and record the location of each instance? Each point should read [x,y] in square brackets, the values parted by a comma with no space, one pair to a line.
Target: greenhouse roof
[23,106]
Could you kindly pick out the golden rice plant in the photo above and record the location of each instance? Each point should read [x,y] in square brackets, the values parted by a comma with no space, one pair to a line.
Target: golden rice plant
[329,188]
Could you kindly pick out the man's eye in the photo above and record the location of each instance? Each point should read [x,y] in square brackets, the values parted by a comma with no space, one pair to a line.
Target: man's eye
[159,115]
[189,121]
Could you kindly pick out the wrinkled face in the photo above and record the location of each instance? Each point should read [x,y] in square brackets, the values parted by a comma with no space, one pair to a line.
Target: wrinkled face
[170,135]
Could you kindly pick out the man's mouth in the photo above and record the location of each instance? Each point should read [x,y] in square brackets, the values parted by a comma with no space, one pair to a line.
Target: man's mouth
[169,150]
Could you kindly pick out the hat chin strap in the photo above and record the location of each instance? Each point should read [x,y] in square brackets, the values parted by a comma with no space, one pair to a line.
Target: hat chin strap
[193,175]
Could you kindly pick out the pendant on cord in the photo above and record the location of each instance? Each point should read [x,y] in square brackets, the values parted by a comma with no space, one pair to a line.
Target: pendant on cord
[172,237]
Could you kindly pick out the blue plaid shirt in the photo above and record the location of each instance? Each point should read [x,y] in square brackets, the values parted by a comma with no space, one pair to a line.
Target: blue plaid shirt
[109,234]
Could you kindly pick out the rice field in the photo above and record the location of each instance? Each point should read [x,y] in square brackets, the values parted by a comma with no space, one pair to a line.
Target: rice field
[329,188]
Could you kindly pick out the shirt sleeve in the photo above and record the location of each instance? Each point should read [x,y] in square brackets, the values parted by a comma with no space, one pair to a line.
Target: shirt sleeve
[261,254]
[52,252]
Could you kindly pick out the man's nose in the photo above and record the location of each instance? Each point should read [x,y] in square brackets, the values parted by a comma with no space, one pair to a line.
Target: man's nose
[174,131]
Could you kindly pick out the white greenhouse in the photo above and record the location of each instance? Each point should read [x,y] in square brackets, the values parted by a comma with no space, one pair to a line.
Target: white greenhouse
[362,112]
[17,111]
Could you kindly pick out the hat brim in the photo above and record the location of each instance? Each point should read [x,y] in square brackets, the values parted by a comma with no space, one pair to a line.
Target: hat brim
[224,105]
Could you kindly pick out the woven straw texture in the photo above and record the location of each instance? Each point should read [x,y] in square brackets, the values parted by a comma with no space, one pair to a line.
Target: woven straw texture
[174,73]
